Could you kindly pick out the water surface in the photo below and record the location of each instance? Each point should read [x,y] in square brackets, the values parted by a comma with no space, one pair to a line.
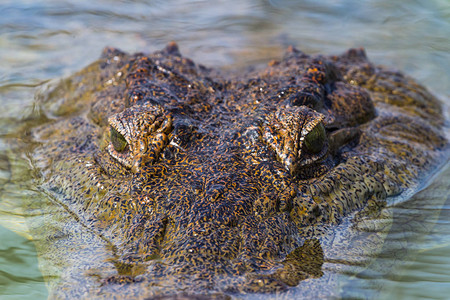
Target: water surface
[41,40]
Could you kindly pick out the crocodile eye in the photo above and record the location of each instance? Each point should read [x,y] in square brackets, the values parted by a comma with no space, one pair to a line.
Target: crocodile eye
[117,140]
[315,139]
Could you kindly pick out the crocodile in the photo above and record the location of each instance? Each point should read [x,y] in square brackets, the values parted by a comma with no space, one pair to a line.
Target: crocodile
[171,179]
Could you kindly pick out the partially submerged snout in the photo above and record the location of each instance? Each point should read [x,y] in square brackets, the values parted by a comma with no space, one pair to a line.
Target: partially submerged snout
[215,183]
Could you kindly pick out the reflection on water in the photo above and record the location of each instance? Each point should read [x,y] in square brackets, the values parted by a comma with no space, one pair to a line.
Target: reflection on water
[48,39]
[414,260]
[20,277]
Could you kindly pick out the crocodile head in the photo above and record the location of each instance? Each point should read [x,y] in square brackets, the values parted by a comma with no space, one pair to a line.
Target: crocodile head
[198,180]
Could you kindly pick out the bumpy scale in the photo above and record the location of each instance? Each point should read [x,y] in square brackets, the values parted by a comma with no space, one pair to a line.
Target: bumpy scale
[191,180]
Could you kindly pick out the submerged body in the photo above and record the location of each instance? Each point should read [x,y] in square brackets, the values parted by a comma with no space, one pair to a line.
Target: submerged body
[180,179]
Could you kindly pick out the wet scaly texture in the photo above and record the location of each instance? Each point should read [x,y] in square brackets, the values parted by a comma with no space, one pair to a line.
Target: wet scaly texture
[173,178]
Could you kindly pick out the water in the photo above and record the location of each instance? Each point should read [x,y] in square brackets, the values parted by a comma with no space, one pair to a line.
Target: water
[49,39]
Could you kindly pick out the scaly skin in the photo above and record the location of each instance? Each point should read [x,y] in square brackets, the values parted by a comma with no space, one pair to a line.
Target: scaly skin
[186,180]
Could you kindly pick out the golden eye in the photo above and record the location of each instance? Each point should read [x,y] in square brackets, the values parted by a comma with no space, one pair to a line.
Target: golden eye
[315,139]
[117,140]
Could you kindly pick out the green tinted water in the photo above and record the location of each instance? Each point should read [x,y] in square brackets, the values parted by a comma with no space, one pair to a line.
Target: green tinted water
[49,39]
[20,277]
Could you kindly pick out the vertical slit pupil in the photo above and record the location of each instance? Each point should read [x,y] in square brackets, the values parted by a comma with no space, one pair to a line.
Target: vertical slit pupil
[117,140]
